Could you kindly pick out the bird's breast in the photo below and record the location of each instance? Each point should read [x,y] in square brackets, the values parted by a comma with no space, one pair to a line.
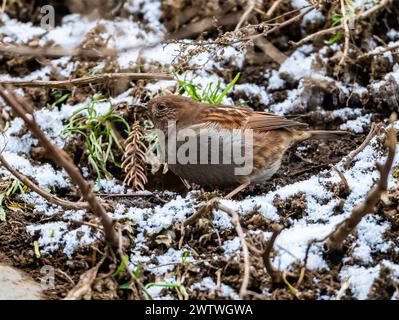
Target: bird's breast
[210,156]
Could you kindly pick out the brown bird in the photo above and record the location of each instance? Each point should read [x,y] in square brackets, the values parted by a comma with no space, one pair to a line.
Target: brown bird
[272,135]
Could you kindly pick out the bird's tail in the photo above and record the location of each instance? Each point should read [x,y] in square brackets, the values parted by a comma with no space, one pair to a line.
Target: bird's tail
[322,134]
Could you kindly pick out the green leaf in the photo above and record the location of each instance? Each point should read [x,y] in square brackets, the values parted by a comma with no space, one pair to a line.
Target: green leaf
[61,99]
[137,272]
[122,266]
[228,88]
[126,285]
[334,39]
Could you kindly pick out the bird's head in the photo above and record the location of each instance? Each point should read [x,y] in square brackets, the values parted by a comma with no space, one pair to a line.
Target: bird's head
[178,109]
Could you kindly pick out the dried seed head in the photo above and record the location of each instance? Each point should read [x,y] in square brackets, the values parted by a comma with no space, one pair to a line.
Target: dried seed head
[133,160]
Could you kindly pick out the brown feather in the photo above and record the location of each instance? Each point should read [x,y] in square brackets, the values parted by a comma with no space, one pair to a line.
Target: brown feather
[231,117]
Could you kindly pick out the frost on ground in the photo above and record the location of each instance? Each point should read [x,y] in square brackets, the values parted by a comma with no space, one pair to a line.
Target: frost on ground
[320,216]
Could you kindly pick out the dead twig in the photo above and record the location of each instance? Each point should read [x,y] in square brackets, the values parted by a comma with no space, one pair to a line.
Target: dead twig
[250,6]
[87,80]
[223,41]
[378,52]
[315,35]
[46,195]
[346,32]
[202,210]
[270,50]
[360,16]
[56,52]
[235,218]
[275,275]
[343,182]
[375,129]
[273,8]
[83,289]
[61,158]
[336,239]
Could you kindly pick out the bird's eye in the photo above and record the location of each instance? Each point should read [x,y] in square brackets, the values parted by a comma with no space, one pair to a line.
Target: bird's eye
[161,107]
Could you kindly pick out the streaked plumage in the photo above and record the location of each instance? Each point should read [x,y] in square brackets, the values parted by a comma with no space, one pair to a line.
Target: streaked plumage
[272,136]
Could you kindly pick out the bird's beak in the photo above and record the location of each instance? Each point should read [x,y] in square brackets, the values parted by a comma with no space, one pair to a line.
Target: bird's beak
[140,107]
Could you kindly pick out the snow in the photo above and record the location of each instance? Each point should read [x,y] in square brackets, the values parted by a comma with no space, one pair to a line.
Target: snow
[357,125]
[231,246]
[207,284]
[310,17]
[361,279]
[393,34]
[300,63]
[133,44]
[18,32]
[252,91]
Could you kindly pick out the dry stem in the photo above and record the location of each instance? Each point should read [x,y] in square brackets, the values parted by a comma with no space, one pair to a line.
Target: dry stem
[361,16]
[375,128]
[87,80]
[275,275]
[64,160]
[46,195]
[247,265]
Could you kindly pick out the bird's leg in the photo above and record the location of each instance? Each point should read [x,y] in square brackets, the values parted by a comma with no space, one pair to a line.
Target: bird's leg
[238,189]
[185,183]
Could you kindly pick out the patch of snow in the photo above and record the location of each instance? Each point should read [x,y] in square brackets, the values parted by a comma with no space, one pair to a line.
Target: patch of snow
[393,34]
[356,125]
[313,16]
[300,63]
[345,113]
[17,32]
[231,246]
[252,91]
[207,284]
[361,279]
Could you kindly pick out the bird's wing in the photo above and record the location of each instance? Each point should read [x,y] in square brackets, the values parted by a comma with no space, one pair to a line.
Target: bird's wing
[230,117]
[263,121]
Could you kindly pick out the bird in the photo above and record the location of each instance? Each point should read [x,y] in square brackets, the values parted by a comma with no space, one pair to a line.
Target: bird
[270,135]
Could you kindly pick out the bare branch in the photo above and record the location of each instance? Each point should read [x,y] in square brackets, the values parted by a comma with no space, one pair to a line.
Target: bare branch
[247,265]
[46,195]
[87,80]
[274,274]
[346,32]
[378,51]
[250,6]
[270,50]
[62,159]
[375,128]
[55,52]
[336,239]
